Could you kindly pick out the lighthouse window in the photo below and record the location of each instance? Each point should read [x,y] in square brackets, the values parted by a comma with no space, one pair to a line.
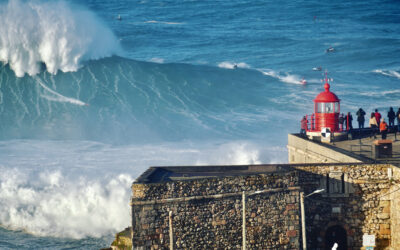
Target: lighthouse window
[320,107]
[329,107]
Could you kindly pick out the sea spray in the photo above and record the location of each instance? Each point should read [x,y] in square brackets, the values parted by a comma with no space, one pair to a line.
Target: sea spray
[58,35]
[82,189]
[50,204]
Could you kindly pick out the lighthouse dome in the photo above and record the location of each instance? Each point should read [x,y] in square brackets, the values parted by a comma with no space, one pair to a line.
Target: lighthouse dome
[326,96]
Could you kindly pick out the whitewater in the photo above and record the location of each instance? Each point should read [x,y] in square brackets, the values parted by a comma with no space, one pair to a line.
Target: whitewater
[92,93]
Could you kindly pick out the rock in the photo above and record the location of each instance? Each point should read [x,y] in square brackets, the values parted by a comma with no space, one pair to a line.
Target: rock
[123,240]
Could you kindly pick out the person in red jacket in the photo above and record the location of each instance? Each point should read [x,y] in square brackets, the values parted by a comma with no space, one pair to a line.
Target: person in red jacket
[383,128]
[303,127]
[378,117]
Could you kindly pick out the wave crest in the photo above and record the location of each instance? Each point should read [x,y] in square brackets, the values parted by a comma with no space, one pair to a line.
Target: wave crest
[55,34]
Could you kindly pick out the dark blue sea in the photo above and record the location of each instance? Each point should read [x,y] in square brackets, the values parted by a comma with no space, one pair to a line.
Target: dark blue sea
[92,93]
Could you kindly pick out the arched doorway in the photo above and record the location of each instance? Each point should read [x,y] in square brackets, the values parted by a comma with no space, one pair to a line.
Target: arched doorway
[336,234]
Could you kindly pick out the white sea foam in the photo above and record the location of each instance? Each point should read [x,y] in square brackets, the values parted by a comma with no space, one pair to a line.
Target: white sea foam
[161,22]
[231,65]
[286,78]
[57,97]
[56,33]
[53,205]
[391,73]
[157,60]
[395,92]
[79,188]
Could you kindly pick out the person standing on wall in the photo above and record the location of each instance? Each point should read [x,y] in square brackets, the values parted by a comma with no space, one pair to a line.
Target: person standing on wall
[349,121]
[383,128]
[378,116]
[398,119]
[373,124]
[341,121]
[360,118]
[391,115]
[303,126]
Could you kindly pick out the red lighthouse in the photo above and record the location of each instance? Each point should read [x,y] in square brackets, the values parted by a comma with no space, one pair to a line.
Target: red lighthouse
[327,109]
[324,123]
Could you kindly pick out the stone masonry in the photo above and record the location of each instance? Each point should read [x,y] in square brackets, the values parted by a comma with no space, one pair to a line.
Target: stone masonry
[356,198]
[207,211]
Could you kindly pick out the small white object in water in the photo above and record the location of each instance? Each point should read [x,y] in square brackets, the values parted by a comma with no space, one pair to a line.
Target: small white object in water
[330,49]
[317,69]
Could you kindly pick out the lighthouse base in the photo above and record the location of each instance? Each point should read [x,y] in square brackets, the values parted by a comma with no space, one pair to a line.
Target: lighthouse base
[323,137]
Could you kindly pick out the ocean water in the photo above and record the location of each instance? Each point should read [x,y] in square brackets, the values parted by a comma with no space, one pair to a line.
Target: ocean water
[92,93]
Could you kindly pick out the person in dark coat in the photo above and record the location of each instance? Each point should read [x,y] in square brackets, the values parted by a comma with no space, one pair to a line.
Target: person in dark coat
[303,126]
[341,121]
[398,119]
[360,118]
[391,115]
[349,121]
[378,117]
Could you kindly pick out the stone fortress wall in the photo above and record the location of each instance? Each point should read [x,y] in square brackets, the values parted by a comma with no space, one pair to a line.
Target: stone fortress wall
[354,200]
[202,207]
[207,213]
[377,187]
[395,209]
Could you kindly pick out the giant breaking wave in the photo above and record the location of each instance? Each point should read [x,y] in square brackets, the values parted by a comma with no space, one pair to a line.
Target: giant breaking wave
[57,35]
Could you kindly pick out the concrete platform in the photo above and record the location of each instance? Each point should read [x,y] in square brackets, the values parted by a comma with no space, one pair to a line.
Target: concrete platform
[364,147]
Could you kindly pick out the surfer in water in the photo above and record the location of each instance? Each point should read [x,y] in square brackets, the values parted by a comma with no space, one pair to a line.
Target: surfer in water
[317,68]
[330,49]
[303,81]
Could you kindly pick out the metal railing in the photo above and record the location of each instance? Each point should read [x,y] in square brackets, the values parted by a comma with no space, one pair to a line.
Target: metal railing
[361,149]
[309,124]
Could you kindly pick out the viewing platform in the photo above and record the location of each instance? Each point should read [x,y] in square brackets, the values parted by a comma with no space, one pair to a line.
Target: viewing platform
[359,147]
[366,146]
